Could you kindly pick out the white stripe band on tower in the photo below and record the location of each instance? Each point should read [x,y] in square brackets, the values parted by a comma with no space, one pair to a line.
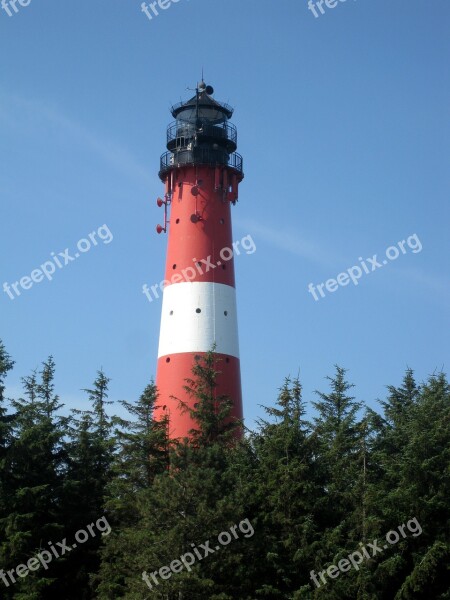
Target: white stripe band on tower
[195,316]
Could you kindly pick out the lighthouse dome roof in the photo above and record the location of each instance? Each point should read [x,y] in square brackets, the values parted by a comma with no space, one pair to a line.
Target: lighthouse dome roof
[209,109]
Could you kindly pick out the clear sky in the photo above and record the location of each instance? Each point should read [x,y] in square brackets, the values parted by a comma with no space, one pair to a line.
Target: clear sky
[343,125]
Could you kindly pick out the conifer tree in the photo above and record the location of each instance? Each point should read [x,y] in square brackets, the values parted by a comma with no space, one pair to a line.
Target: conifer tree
[338,433]
[414,449]
[6,365]
[211,413]
[187,504]
[339,436]
[287,491]
[143,454]
[89,471]
[6,437]
[393,434]
[313,492]
[38,465]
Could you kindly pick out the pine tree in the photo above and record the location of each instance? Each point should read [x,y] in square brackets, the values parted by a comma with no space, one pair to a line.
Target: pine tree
[6,365]
[37,466]
[91,453]
[210,412]
[339,436]
[6,438]
[394,434]
[187,504]
[312,492]
[410,437]
[286,487]
[423,492]
[143,453]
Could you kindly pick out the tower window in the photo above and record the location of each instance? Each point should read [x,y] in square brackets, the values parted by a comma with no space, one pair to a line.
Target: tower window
[198,310]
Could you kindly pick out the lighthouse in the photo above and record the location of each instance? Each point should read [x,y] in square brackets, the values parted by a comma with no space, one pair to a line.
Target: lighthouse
[201,172]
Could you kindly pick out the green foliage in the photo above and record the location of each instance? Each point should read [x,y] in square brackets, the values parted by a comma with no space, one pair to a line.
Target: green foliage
[424,581]
[211,413]
[313,491]
[35,472]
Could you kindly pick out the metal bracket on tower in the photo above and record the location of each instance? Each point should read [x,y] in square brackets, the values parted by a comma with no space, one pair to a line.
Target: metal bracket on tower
[166,202]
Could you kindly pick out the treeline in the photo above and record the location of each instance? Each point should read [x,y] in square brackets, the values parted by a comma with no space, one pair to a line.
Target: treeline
[306,504]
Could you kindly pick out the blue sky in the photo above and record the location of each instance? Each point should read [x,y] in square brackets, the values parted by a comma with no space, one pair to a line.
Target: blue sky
[343,125]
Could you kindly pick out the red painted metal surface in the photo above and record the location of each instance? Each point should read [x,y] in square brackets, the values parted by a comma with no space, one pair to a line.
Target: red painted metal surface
[200,249]
[200,228]
[171,382]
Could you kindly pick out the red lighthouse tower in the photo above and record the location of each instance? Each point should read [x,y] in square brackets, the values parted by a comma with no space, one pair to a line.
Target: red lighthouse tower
[201,172]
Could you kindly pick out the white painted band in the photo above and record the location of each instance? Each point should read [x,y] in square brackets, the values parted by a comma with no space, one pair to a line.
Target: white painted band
[185,329]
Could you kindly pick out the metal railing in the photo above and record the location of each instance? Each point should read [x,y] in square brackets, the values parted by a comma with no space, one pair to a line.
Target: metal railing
[222,105]
[183,129]
[200,156]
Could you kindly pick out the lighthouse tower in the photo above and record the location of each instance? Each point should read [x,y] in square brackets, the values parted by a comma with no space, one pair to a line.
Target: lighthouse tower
[201,172]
